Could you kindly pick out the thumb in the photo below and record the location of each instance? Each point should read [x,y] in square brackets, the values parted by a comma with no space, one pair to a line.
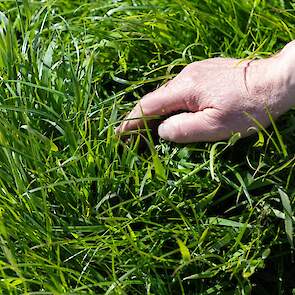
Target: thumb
[194,127]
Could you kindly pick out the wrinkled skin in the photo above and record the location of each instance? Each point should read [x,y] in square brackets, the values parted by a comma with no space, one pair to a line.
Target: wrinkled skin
[220,96]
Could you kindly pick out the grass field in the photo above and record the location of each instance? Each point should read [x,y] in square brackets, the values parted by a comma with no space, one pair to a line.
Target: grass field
[84,212]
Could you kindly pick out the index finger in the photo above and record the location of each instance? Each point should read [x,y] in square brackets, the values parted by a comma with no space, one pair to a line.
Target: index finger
[167,99]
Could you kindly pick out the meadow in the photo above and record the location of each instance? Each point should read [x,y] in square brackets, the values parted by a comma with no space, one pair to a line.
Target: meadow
[83,211]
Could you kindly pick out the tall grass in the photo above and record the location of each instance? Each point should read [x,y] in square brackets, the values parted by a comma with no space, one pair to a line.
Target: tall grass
[83,212]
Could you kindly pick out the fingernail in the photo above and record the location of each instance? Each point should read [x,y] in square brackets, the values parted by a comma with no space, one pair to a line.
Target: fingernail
[162,131]
[121,128]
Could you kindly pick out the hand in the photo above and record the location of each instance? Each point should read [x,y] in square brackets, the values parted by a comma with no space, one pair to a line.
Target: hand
[219,97]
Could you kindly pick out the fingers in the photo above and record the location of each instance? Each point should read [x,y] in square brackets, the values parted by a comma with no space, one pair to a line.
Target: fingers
[165,100]
[194,127]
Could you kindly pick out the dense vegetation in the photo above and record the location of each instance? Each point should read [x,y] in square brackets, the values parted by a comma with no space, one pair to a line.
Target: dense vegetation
[84,212]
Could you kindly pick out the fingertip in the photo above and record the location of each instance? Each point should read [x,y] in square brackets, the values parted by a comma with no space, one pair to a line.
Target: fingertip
[121,128]
[118,130]
[163,131]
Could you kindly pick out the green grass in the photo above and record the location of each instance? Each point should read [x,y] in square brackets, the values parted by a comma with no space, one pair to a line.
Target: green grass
[83,212]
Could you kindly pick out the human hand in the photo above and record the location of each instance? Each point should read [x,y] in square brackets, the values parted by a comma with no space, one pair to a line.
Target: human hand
[219,97]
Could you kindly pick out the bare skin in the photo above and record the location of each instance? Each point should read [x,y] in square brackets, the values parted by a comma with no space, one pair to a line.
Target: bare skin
[219,97]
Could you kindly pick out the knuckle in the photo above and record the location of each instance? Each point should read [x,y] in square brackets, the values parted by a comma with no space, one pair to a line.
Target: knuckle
[191,103]
[190,81]
[290,45]
[190,68]
[288,52]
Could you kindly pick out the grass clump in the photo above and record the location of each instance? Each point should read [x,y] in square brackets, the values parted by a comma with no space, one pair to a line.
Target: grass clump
[82,212]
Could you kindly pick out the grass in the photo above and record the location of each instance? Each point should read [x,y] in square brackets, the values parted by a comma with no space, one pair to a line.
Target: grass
[83,212]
